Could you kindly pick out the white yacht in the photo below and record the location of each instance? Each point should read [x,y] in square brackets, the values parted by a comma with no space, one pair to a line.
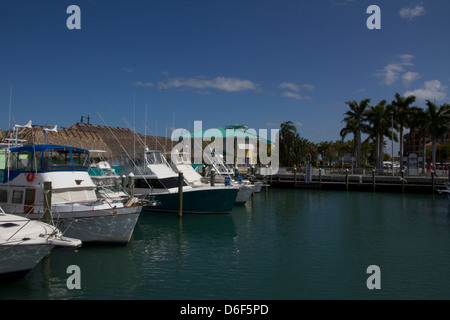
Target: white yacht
[183,164]
[24,242]
[74,205]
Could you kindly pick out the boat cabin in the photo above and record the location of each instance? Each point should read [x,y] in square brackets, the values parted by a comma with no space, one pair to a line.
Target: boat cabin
[24,169]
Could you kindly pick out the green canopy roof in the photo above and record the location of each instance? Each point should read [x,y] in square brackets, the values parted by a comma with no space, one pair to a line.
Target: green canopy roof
[232,131]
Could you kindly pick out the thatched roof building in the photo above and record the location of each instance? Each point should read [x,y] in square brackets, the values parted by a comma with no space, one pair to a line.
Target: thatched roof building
[112,140]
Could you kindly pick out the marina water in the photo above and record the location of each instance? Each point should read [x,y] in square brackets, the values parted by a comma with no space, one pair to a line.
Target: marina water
[283,244]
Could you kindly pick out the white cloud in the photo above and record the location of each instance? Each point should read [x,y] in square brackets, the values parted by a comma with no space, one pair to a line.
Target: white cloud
[289,85]
[410,12]
[219,83]
[144,84]
[294,95]
[409,77]
[296,87]
[392,72]
[129,70]
[432,90]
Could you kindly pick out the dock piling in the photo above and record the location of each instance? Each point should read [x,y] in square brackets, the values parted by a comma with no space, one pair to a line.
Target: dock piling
[131,184]
[47,201]
[320,177]
[346,179]
[432,181]
[180,194]
[403,180]
[212,177]
[295,176]
[373,179]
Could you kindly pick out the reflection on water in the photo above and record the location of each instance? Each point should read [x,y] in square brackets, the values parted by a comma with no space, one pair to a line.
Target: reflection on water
[283,244]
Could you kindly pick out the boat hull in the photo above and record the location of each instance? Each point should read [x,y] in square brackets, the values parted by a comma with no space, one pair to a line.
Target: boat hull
[109,225]
[197,201]
[245,192]
[16,260]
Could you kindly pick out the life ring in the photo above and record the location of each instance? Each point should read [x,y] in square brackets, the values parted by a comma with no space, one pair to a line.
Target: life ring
[30,177]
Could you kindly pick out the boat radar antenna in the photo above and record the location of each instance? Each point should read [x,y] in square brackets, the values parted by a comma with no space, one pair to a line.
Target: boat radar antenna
[47,130]
[16,130]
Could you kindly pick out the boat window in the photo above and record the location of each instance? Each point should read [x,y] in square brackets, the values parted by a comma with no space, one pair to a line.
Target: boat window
[155,158]
[3,196]
[13,162]
[57,159]
[3,159]
[17,196]
[150,158]
[23,160]
[8,225]
[80,159]
[159,158]
[60,159]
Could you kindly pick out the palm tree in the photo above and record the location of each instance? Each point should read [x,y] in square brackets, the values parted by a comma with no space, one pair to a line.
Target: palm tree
[287,137]
[401,107]
[350,128]
[438,123]
[301,148]
[354,119]
[379,118]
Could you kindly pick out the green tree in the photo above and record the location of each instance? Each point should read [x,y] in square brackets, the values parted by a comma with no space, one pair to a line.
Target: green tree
[355,123]
[401,108]
[380,125]
[438,123]
[288,133]
[302,147]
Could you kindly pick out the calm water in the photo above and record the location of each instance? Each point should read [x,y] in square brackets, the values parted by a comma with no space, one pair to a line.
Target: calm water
[284,244]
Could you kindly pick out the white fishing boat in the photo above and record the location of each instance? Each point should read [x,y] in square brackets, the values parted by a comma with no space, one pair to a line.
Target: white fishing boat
[154,176]
[224,173]
[74,205]
[24,242]
[107,181]
[184,165]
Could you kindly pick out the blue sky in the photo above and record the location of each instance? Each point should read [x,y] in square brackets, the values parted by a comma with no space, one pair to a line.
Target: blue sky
[256,62]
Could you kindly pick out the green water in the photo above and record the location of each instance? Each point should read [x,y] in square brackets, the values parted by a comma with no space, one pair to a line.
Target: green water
[283,244]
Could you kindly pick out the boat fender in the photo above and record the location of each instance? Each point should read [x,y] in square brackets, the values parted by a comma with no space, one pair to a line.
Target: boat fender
[30,177]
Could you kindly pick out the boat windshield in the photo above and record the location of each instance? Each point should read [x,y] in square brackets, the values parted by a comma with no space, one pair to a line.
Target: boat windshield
[66,159]
[24,161]
[155,157]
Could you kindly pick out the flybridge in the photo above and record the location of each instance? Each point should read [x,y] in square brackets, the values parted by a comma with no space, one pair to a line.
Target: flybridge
[42,158]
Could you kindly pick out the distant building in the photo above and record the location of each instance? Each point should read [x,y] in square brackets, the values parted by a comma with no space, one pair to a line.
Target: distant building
[413,142]
[244,142]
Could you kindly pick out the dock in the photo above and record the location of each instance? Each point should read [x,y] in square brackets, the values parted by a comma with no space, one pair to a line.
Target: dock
[347,182]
